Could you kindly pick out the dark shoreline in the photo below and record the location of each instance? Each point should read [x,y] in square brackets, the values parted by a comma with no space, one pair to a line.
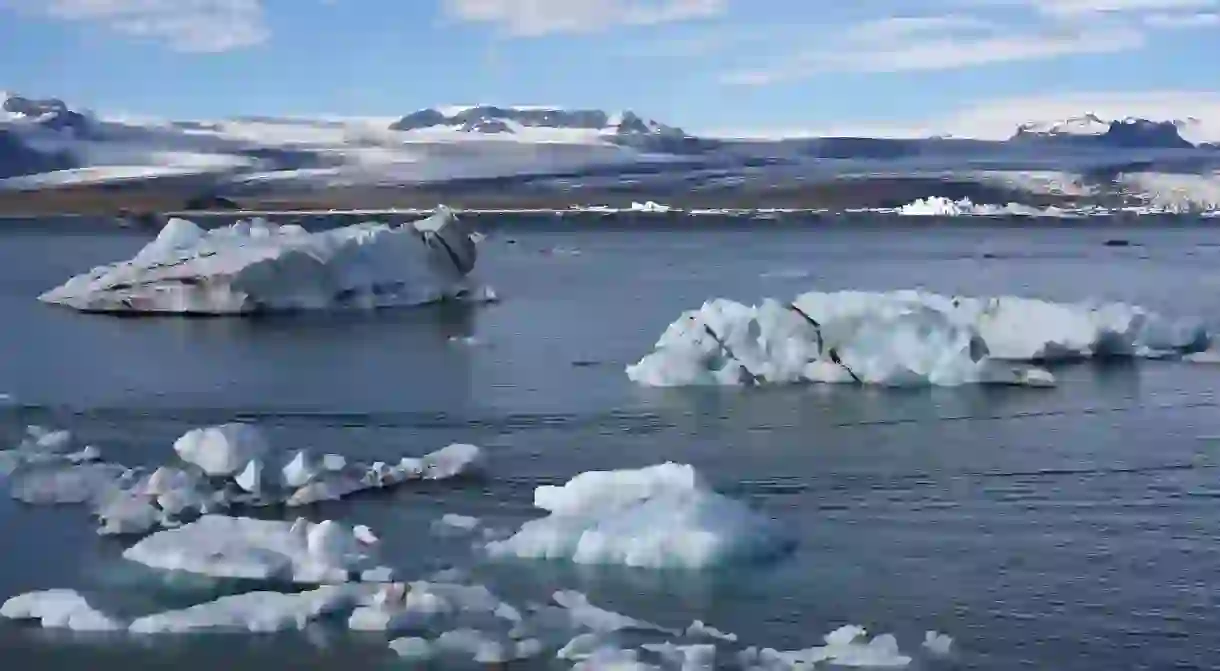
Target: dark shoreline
[831,195]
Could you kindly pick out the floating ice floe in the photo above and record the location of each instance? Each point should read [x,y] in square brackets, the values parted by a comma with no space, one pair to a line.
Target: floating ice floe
[903,338]
[219,546]
[58,609]
[223,466]
[662,516]
[259,266]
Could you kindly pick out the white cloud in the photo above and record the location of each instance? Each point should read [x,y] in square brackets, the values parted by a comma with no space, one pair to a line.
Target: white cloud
[1183,20]
[531,18]
[205,26]
[940,43]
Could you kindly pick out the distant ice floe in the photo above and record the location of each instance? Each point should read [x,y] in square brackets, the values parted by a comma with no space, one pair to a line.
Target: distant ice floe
[259,266]
[662,516]
[222,467]
[904,338]
[943,207]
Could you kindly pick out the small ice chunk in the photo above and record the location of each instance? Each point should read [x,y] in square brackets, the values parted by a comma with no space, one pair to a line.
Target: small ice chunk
[299,471]
[333,462]
[414,649]
[40,439]
[251,478]
[700,657]
[451,521]
[582,646]
[165,480]
[585,614]
[451,461]
[222,450]
[845,647]
[251,611]
[937,643]
[365,535]
[698,628]
[58,609]
[127,513]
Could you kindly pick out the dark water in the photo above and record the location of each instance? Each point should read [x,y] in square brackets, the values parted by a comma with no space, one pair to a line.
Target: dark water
[1073,528]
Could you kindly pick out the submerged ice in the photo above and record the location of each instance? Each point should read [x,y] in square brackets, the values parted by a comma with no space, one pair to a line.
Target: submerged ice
[257,266]
[903,338]
[662,516]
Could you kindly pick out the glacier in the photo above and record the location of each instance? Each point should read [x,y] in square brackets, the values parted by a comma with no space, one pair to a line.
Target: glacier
[903,338]
[259,266]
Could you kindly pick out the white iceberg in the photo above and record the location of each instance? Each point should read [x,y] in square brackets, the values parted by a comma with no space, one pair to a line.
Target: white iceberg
[259,266]
[238,547]
[58,609]
[902,338]
[662,516]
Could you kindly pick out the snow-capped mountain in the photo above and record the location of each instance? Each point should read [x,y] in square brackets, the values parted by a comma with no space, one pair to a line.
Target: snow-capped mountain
[1128,133]
[496,119]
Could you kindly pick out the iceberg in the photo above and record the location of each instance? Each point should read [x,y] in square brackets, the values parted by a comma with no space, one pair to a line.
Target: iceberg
[903,338]
[237,547]
[259,266]
[661,516]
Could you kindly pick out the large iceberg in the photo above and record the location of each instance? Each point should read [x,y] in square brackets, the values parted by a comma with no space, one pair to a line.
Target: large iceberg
[259,266]
[662,516]
[903,338]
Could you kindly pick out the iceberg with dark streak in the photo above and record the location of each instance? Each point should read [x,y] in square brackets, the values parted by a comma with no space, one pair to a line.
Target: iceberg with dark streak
[259,266]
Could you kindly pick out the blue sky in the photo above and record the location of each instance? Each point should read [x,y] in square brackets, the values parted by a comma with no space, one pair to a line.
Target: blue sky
[701,64]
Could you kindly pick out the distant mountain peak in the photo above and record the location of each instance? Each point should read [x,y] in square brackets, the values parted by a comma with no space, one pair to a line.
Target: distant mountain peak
[497,119]
[1128,132]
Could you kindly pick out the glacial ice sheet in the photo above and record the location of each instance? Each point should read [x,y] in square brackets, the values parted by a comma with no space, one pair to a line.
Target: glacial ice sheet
[903,338]
[257,266]
[237,547]
[661,516]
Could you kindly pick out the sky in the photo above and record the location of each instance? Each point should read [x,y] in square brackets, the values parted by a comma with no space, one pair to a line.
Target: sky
[741,67]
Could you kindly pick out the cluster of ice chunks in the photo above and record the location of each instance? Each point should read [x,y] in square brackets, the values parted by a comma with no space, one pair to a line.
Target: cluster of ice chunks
[661,516]
[221,467]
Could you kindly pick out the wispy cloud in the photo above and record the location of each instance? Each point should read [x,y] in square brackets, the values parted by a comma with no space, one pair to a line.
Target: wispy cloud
[534,18]
[986,32]
[939,43]
[204,26]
